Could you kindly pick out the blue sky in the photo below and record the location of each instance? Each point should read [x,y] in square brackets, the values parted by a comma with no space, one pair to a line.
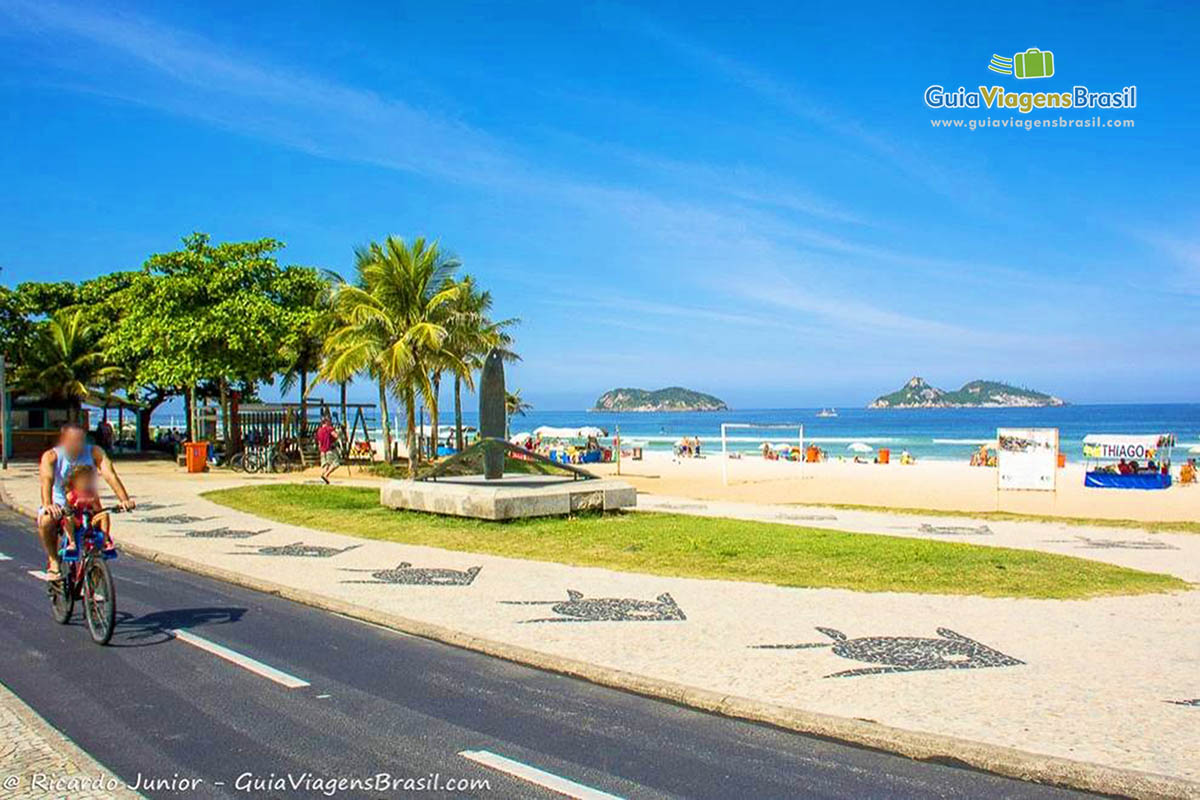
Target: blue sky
[746,199]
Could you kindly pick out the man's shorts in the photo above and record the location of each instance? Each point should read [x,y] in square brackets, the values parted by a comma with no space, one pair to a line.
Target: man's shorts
[330,458]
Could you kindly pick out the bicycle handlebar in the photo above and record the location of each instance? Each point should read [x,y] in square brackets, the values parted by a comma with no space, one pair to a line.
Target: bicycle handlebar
[110,510]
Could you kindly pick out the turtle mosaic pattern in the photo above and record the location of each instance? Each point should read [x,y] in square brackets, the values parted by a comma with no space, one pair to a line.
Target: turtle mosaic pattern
[299,549]
[577,608]
[806,517]
[955,530]
[174,519]
[151,506]
[906,653]
[1087,543]
[220,533]
[405,574]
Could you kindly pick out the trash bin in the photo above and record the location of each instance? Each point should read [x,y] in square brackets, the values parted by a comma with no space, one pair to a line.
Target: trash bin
[1062,460]
[885,455]
[197,455]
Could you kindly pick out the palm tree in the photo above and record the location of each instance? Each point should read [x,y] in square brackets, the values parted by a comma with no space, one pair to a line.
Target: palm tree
[472,335]
[514,406]
[64,361]
[393,324]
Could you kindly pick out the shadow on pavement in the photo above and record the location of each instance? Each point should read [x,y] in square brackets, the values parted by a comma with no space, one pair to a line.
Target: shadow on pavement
[156,627]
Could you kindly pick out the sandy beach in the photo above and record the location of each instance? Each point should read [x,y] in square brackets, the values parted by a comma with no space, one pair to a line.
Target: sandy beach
[939,485]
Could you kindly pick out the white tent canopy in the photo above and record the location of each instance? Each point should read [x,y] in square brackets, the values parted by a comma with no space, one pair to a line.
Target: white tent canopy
[583,432]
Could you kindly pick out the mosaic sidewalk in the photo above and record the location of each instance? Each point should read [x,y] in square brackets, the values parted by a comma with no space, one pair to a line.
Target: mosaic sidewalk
[1112,681]
[37,761]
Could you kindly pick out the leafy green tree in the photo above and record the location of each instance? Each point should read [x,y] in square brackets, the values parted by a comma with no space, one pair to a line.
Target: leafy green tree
[16,327]
[224,313]
[302,354]
[65,361]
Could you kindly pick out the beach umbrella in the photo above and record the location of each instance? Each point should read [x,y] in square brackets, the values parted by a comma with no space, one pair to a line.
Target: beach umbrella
[859,447]
[591,430]
[1194,449]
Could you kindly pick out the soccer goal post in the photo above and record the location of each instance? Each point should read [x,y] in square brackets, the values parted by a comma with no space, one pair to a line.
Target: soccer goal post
[736,436]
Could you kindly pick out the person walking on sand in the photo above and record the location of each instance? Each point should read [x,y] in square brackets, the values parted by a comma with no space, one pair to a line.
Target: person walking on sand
[327,437]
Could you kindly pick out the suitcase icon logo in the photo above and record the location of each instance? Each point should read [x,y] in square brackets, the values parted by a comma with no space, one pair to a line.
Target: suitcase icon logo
[1033,63]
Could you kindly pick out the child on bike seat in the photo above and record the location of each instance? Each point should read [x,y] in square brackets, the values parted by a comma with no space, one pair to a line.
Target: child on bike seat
[82,496]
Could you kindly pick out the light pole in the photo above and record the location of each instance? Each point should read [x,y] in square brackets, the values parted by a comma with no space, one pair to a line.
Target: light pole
[5,427]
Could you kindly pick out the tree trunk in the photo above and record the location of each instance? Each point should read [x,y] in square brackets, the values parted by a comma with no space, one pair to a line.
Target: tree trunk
[143,419]
[224,387]
[383,423]
[189,406]
[414,449]
[345,423]
[458,431]
[303,402]
[433,415]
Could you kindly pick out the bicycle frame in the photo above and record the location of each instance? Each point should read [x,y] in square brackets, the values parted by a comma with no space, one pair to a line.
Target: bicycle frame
[89,540]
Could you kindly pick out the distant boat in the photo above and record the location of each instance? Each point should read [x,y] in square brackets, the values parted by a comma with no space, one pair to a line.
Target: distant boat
[827,412]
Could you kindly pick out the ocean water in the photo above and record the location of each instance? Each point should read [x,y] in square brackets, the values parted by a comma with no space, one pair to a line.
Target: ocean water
[927,433]
[946,434]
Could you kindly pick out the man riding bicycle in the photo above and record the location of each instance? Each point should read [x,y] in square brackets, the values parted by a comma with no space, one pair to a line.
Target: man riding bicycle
[71,451]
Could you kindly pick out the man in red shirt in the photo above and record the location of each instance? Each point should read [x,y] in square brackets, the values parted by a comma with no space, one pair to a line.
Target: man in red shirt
[327,436]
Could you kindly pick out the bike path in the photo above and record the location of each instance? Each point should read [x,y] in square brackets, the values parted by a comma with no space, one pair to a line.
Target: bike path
[376,700]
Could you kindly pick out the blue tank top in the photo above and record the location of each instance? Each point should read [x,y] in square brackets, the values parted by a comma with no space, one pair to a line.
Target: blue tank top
[63,465]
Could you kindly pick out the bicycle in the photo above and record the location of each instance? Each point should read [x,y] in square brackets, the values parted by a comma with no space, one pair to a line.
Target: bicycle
[86,577]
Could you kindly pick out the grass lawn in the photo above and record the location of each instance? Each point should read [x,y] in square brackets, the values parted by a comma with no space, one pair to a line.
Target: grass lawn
[706,547]
[1182,526]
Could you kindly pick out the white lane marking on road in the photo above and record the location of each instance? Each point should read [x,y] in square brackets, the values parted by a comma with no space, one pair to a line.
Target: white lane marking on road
[245,662]
[40,574]
[536,776]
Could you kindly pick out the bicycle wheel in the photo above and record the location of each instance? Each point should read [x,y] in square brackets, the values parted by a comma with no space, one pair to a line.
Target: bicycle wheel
[238,462]
[62,599]
[99,600]
[286,461]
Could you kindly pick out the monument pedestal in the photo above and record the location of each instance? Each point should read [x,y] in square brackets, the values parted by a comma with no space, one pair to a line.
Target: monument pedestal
[509,497]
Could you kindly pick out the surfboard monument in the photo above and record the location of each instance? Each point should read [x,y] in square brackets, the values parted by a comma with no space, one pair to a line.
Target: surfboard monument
[473,483]
[492,413]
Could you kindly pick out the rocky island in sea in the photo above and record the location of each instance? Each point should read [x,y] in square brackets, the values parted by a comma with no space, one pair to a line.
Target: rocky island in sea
[976,394]
[673,398]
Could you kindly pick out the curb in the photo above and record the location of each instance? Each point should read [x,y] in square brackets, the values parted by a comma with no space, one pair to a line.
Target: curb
[90,769]
[999,760]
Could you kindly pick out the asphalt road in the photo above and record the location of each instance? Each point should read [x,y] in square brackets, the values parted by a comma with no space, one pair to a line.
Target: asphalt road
[377,701]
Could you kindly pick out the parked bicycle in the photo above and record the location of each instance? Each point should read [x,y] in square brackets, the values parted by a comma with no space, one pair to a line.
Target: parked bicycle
[86,577]
[281,457]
